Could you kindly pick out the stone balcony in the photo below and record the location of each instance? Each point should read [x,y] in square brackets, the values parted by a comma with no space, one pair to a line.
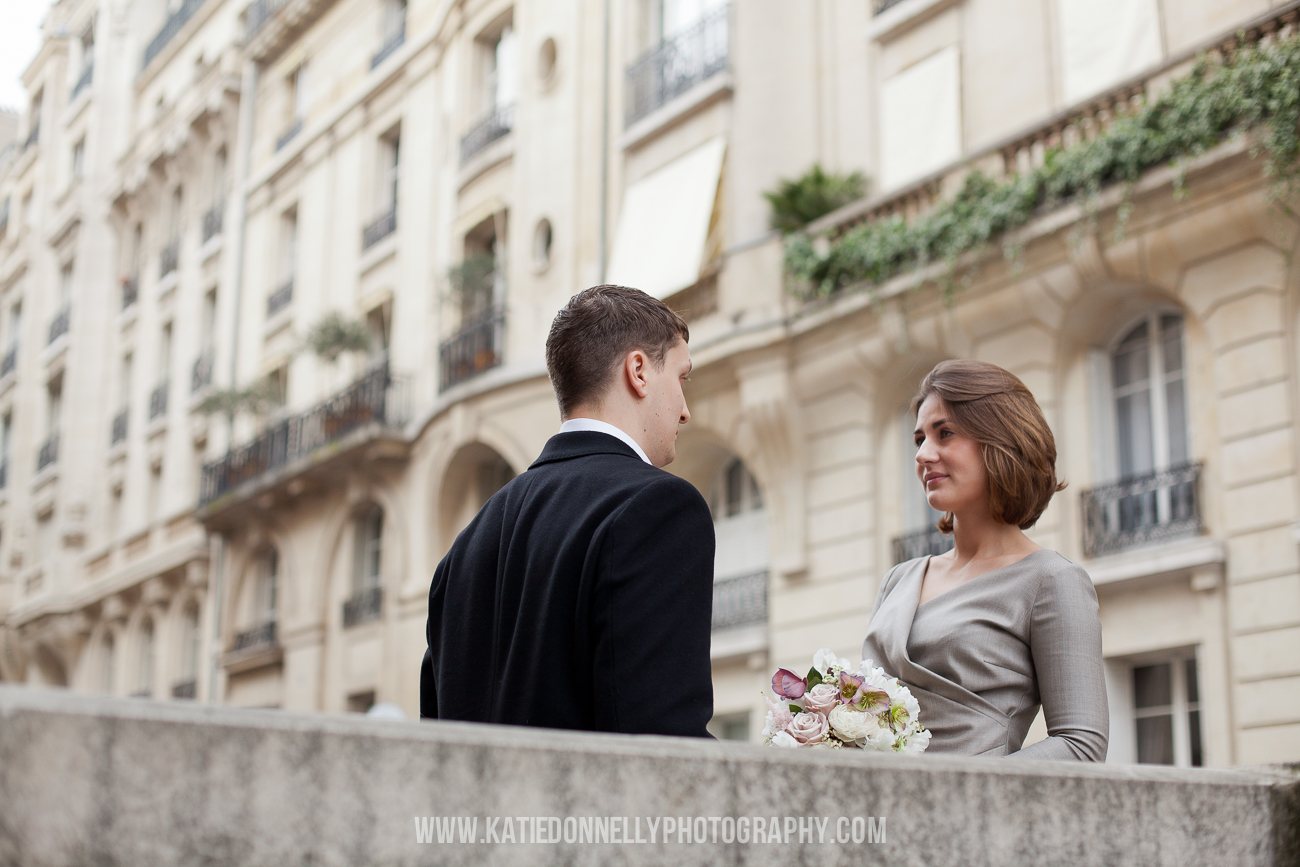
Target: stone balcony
[309,449]
[93,780]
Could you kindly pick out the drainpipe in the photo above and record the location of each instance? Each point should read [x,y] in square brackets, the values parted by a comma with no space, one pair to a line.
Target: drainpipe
[604,154]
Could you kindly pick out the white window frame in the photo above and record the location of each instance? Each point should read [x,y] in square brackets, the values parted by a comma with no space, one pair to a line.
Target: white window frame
[1122,747]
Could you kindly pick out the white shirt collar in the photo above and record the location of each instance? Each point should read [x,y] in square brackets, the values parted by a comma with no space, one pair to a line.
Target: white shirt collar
[578,424]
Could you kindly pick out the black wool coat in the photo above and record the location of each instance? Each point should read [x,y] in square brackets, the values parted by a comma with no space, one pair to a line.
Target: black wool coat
[579,597]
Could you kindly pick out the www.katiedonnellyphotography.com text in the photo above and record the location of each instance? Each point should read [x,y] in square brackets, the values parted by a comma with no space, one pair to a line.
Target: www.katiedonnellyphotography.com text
[764,830]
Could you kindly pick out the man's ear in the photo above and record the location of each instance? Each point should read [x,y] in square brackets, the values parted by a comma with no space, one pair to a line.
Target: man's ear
[635,366]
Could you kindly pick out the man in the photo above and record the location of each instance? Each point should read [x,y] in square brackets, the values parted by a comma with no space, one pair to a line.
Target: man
[581,595]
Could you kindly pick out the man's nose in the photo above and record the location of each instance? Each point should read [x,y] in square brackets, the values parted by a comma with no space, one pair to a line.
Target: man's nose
[686,415]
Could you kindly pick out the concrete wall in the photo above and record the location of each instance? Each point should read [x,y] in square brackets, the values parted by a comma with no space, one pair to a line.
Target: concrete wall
[109,781]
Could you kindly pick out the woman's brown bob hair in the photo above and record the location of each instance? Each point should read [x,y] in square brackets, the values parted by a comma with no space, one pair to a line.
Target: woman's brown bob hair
[993,407]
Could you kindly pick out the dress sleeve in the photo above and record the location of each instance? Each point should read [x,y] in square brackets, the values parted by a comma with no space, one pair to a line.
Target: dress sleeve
[1065,640]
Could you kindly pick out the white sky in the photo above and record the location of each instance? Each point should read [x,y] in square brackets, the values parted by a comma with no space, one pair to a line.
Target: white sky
[20,37]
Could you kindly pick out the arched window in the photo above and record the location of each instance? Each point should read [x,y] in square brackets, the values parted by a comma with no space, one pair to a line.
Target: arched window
[1150,397]
[368,549]
[144,666]
[741,556]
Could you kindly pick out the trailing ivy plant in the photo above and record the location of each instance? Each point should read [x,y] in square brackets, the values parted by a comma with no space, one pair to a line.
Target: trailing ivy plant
[796,203]
[1257,90]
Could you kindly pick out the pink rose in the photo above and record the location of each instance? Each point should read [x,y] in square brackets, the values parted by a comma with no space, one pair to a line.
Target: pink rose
[821,698]
[808,728]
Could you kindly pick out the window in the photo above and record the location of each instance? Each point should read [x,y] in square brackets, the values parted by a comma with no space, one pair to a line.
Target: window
[267,589]
[1150,398]
[542,245]
[730,727]
[106,664]
[53,406]
[29,216]
[390,152]
[65,285]
[500,75]
[1161,700]
[144,669]
[34,119]
[219,176]
[88,48]
[392,30]
[288,245]
[190,643]
[740,562]
[6,439]
[176,213]
[79,159]
[155,491]
[377,326]
[14,329]
[296,97]
[45,538]
[360,702]
[115,512]
[920,534]
[368,551]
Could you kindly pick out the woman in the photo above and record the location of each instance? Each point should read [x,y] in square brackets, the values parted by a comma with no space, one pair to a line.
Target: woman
[986,632]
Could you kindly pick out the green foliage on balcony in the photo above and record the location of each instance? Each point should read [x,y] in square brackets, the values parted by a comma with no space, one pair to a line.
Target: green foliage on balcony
[796,203]
[1256,91]
[335,334]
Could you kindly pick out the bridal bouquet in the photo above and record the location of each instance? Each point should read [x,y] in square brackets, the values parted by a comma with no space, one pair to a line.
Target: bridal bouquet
[834,707]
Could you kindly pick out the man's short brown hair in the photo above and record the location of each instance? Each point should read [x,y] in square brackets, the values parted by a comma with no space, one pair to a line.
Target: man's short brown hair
[594,332]
[993,407]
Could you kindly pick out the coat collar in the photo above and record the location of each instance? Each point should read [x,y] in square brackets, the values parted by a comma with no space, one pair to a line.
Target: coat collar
[579,444]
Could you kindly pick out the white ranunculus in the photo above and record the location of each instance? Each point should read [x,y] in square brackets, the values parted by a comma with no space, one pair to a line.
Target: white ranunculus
[784,739]
[917,742]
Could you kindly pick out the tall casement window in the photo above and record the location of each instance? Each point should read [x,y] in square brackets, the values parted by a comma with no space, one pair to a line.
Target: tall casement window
[500,76]
[366,601]
[144,664]
[107,663]
[1156,715]
[369,544]
[740,563]
[287,263]
[1150,397]
[185,686]
[267,589]
[1145,449]
[385,221]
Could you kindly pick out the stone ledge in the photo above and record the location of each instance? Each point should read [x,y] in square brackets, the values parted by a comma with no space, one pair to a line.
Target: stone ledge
[87,779]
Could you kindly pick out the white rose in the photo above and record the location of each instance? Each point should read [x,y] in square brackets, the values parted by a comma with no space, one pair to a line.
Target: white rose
[783,739]
[853,725]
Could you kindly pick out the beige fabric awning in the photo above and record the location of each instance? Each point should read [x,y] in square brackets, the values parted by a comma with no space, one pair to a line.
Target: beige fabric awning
[664,224]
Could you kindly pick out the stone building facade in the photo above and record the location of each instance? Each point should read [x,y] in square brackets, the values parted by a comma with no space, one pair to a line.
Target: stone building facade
[199,185]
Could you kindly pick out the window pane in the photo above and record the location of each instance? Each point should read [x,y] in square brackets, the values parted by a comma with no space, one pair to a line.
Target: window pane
[735,487]
[1171,342]
[1194,735]
[1131,359]
[1152,686]
[1133,412]
[1177,411]
[1155,740]
[1193,689]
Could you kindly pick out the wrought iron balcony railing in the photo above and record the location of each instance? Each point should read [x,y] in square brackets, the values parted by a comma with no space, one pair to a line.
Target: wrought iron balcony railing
[921,543]
[119,427]
[158,399]
[49,453]
[185,689]
[288,134]
[365,605]
[1142,509]
[280,298]
[212,221]
[379,228]
[497,124]
[879,6]
[84,81]
[201,374]
[477,347]
[169,259]
[740,601]
[258,637]
[130,290]
[677,64]
[365,402]
[393,43]
[60,324]
[170,28]
[10,361]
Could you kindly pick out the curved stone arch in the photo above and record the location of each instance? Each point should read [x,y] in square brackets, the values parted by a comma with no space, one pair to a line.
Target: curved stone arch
[443,452]
[51,665]
[89,668]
